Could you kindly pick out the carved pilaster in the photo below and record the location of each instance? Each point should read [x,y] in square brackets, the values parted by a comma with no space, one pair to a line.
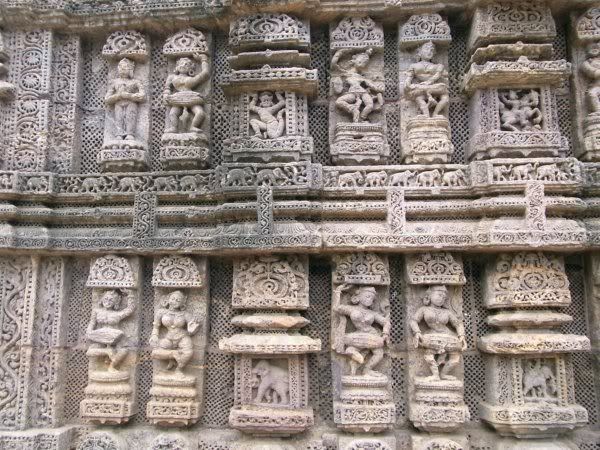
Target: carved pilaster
[425,129]
[271,364]
[178,340]
[512,81]
[529,375]
[31,62]
[434,320]
[31,356]
[127,124]
[185,142]
[269,88]
[65,123]
[112,335]
[360,332]
[357,127]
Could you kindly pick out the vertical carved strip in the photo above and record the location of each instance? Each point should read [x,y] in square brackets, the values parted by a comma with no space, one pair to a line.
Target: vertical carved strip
[265,209]
[16,318]
[30,145]
[396,214]
[144,220]
[47,388]
[535,207]
[65,121]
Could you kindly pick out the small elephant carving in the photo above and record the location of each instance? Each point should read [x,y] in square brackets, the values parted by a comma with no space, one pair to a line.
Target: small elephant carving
[376,179]
[37,184]
[270,177]
[273,383]
[402,178]
[90,185]
[239,177]
[352,179]
[429,178]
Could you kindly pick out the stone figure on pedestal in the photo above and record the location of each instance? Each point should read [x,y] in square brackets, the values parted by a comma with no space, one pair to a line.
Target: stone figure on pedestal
[181,98]
[366,338]
[270,123]
[427,83]
[438,339]
[123,96]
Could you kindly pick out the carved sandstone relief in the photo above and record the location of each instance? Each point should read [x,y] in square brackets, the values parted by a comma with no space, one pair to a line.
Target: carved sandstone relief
[360,332]
[127,121]
[357,123]
[436,342]
[271,364]
[529,374]
[269,87]
[185,142]
[425,128]
[178,339]
[112,336]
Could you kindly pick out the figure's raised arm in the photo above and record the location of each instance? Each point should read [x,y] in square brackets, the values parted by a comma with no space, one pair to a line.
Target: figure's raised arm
[337,299]
[129,308]
[202,75]
[156,327]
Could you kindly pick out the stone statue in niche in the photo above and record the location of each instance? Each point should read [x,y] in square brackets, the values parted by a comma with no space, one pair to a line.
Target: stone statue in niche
[270,123]
[443,338]
[520,110]
[124,94]
[365,337]
[272,383]
[539,381]
[591,69]
[103,330]
[358,95]
[185,105]
[427,83]
[175,346]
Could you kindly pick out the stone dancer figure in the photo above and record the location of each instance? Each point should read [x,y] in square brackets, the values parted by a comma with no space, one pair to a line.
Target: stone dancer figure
[365,338]
[359,96]
[123,95]
[270,123]
[438,339]
[103,331]
[427,83]
[591,69]
[176,345]
[180,97]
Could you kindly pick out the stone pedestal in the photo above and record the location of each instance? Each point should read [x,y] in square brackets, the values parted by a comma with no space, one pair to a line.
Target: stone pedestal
[359,143]
[428,141]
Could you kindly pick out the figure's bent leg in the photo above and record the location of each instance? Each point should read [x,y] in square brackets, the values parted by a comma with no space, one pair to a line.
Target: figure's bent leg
[199,115]
[433,367]
[173,119]
[368,109]
[451,364]
[258,127]
[442,106]
[374,361]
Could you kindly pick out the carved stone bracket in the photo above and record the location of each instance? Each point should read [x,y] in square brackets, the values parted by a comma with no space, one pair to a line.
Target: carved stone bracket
[112,334]
[359,334]
[271,365]
[436,342]
[127,123]
[357,123]
[178,340]
[529,371]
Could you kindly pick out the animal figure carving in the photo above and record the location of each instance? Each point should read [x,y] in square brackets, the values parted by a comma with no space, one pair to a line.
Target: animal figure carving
[429,178]
[402,178]
[238,177]
[272,383]
[454,178]
[538,380]
[270,177]
[352,179]
[376,179]
[521,172]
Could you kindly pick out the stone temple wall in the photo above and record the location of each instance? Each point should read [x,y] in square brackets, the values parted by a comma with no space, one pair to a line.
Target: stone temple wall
[282,224]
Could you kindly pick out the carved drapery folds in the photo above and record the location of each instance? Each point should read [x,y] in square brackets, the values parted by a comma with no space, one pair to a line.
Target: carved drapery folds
[425,132]
[357,123]
[511,82]
[178,339]
[529,374]
[112,336]
[360,331]
[271,365]
[186,93]
[127,124]
[436,341]
[269,86]
[586,83]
